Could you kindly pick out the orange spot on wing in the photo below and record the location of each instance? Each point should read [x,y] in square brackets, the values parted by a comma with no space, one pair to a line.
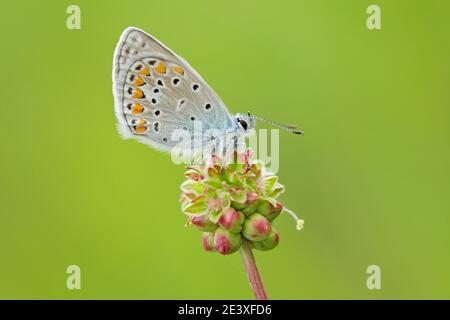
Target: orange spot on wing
[161,68]
[139,81]
[145,71]
[138,94]
[137,109]
[140,130]
[178,70]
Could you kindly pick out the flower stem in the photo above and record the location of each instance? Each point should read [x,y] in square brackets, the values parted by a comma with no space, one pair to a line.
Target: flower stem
[252,271]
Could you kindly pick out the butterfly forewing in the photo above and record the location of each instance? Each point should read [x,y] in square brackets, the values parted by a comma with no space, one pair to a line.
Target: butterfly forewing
[157,92]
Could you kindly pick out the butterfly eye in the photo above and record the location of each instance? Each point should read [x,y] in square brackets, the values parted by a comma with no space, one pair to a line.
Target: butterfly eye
[243,123]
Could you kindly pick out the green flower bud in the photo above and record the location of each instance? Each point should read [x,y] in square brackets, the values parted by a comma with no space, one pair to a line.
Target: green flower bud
[239,200]
[239,196]
[238,206]
[252,203]
[268,243]
[226,242]
[269,211]
[256,227]
[232,220]
[208,241]
[203,223]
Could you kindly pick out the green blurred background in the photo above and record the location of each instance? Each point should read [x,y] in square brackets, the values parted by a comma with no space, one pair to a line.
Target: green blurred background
[370,177]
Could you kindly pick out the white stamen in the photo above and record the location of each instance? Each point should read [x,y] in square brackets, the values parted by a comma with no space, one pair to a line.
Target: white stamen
[300,223]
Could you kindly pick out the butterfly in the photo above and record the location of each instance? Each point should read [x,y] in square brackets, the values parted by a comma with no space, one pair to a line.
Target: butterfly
[160,100]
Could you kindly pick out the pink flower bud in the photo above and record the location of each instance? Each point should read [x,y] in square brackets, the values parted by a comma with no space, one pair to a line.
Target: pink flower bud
[269,211]
[208,241]
[203,223]
[251,197]
[256,227]
[226,242]
[232,220]
[268,243]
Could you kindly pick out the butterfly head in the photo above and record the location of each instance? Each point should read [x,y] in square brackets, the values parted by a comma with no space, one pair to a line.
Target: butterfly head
[245,122]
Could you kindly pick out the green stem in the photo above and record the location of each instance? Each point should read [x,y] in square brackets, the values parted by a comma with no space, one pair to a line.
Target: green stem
[252,271]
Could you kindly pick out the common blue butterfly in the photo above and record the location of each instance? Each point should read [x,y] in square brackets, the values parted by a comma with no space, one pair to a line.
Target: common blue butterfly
[157,93]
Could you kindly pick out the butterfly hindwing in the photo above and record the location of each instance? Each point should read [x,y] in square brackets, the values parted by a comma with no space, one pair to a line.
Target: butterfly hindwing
[156,92]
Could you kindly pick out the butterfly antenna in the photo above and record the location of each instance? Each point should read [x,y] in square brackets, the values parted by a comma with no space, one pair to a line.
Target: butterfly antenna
[289,128]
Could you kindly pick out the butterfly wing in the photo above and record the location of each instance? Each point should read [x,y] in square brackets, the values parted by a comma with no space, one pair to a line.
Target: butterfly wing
[156,92]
